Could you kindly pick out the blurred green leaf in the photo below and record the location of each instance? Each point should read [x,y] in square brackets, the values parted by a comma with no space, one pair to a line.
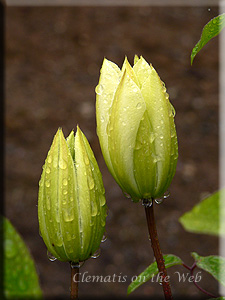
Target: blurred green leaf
[208,216]
[152,270]
[210,30]
[220,298]
[213,264]
[20,276]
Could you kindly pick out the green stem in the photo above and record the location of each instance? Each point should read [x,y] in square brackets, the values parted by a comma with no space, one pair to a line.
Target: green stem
[156,248]
[74,282]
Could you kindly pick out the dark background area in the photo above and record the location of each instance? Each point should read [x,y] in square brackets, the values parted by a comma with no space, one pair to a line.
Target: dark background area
[53,59]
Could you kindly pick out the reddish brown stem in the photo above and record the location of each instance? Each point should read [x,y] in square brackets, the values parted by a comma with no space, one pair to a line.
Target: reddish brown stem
[156,249]
[74,282]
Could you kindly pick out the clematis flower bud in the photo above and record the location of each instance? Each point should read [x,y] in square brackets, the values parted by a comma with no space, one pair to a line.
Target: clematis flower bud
[71,200]
[136,130]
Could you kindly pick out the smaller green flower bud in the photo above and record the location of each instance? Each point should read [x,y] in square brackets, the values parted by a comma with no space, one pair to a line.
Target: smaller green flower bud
[71,200]
[136,130]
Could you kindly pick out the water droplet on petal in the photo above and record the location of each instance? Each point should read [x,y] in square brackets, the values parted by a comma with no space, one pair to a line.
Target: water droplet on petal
[96,254]
[99,89]
[51,257]
[65,192]
[104,238]
[48,170]
[47,183]
[49,159]
[139,105]
[65,181]
[62,164]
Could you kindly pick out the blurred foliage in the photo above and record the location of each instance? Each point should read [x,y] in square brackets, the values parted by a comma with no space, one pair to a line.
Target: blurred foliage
[208,216]
[20,276]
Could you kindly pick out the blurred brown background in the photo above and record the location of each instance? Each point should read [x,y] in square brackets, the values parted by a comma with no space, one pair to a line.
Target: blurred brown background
[53,59]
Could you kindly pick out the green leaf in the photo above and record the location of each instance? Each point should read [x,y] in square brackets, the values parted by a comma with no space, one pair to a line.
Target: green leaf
[220,298]
[152,270]
[210,30]
[208,216]
[20,276]
[214,265]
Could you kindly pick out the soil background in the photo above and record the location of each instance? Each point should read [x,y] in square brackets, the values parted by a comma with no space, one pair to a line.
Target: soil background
[53,59]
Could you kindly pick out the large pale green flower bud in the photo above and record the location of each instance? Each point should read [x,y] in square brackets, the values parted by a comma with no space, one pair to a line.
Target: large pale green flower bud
[71,200]
[135,126]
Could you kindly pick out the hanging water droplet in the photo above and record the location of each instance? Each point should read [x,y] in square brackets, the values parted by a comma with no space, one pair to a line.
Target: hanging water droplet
[166,194]
[51,257]
[102,199]
[147,202]
[159,200]
[126,195]
[96,254]
[75,264]
[209,9]
[104,238]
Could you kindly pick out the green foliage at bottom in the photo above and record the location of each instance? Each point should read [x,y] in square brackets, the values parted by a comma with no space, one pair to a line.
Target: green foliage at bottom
[213,264]
[20,276]
[169,259]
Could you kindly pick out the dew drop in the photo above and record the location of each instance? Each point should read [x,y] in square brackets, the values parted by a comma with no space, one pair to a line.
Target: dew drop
[47,183]
[102,199]
[86,160]
[65,192]
[159,200]
[96,254]
[209,9]
[62,164]
[104,238]
[102,119]
[65,181]
[41,183]
[166,194]
[49,159]
[51,257]
[139,105]
[91,183]
[126,195]
[48,170]
[147,202]
[94,209]
[48,203]
[99,89]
